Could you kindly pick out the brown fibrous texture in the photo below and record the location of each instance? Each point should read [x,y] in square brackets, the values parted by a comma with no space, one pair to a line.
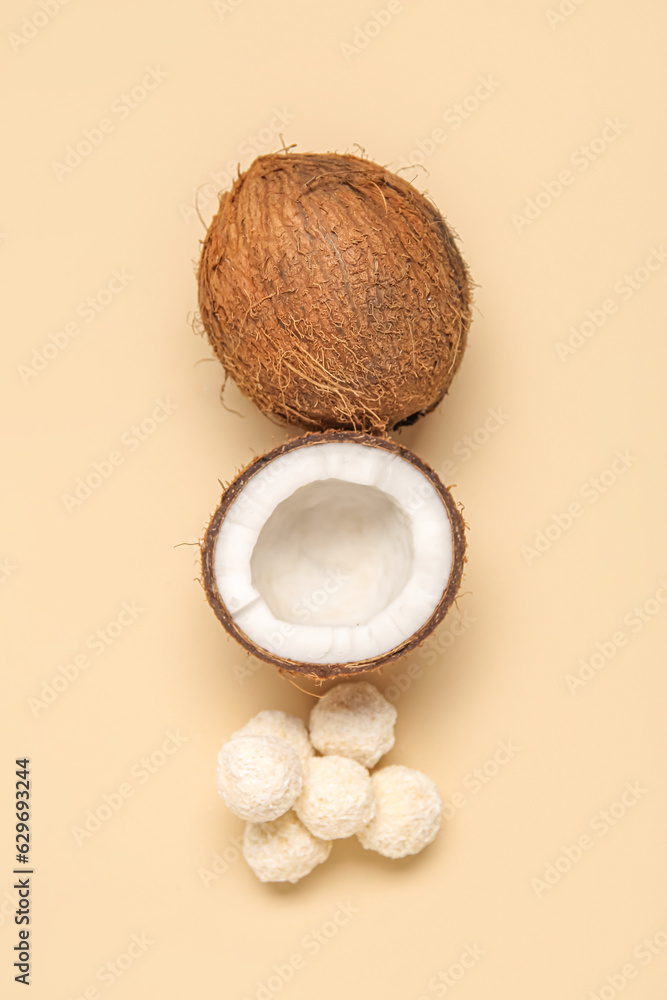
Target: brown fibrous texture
[334,293]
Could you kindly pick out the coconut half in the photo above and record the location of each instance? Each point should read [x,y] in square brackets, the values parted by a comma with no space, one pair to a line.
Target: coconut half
[333,554]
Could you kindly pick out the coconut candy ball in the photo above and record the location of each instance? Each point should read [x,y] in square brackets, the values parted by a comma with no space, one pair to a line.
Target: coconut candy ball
[285,727]
[283,850]
[259,777]
[408,810]
[353,720]
[337,797]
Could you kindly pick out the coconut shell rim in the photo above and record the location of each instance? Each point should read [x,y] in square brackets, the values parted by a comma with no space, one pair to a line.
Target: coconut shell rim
[324,671]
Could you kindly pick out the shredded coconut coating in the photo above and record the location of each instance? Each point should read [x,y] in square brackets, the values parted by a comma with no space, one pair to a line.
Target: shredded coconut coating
[285,727]
[283,850]
[353,720]
[337,798]
[408,811]
[259,777]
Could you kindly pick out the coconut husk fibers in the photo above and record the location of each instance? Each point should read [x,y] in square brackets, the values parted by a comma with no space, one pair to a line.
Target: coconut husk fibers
[333,293]
[326,670]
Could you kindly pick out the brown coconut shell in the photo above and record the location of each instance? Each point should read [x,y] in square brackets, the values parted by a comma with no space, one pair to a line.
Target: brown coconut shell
[334,293]
[326,670]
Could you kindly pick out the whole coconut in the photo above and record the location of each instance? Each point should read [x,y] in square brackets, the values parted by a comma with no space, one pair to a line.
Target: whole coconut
[333,293]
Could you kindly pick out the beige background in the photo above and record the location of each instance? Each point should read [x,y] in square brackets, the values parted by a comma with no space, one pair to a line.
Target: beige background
[164,865]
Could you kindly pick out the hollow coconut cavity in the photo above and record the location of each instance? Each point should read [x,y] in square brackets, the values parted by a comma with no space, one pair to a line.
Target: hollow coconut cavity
[333,554]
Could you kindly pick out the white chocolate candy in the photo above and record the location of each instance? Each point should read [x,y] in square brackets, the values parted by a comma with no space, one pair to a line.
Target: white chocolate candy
[353,720]
[259,777]
[283,850]
[337,798]
[285,727]
[408,810]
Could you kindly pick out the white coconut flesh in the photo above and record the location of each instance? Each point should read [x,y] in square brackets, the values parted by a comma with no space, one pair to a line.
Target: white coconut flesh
[334,552]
